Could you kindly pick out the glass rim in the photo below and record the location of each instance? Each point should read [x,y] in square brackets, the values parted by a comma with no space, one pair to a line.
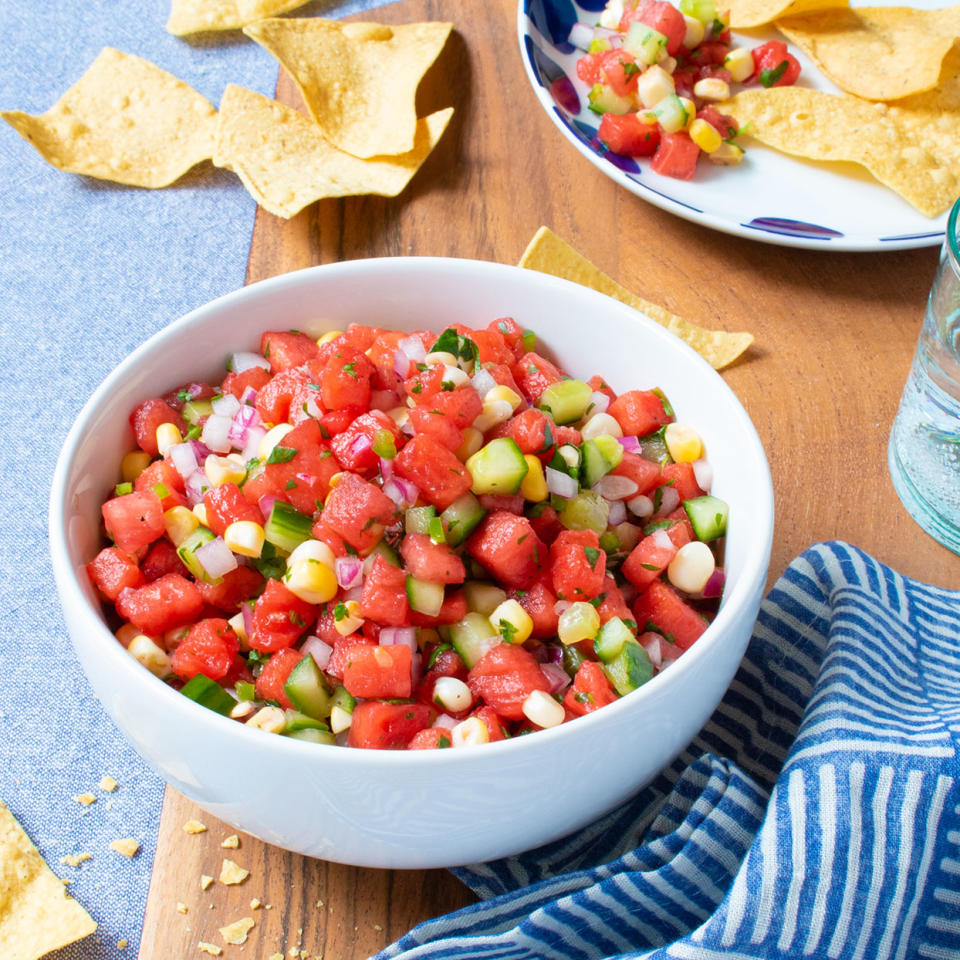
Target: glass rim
[952,242]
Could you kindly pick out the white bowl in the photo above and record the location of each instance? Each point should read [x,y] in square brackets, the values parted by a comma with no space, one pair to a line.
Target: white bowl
[426,808]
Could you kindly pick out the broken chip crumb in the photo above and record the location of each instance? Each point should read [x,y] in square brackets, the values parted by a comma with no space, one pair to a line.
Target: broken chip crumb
[121,944]
[276,956]
[85,798]
[319,903]
[194,826]
[108,783]
[255,903]
[377,927]
[182,908]
[231,873]
[205,882]
[65,881]
[74,860]
[236,933]
[210,948]
[126,846]
[231,843]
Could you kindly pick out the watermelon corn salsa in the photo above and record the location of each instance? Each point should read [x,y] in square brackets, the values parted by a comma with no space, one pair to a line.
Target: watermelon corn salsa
[396,540]
[656,72]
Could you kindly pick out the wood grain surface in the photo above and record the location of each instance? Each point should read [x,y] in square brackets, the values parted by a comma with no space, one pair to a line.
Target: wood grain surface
[835,334]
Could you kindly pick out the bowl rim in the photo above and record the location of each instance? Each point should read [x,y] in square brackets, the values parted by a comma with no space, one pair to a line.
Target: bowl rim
[75,603]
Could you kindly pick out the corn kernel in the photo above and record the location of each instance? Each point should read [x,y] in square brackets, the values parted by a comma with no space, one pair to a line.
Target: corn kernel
[328,337]
[513,622]
[501,392]
[683,442]
[311,581]
[268,719]
[352,620]
[695,32]
[335,479]
[200,512]
[469,732]
[167,436]
[580,621]
[540,708]
[653,85]
[691,110]
[312,550]
[570,455]
[705,136]
[440,356]
[173,638]
[727,155]
[223,470]
[667,62]
[456,376]
[179,522]
[239,626]
[452,694]
[691,567]
[494,413]
[712,88]
[244,537]
[472,442]
[272,437]
[399,415]
[598,424]
[739,62]
[533,487]
[146,652]
[133,464]
[340,720]
[242,709]
[126,633]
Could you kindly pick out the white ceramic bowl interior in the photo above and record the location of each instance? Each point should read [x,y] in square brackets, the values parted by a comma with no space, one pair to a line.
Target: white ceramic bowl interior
[421,808]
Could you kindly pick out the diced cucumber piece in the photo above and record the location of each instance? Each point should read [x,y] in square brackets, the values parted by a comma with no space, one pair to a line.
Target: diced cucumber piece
[644,43]
[597,45]
[343,699]
[382,549]
[610,640]
[653,447]
[436,532]
[312,736]
[586,511]
[703,10]
[300,721]
[602,99]
[473,637]
[483,598]
[287,528]
[708,516]
[306,690]
[425,597]
[565,400]
[498,467]
[461,518]
[417,519]
[567,459]
[610,542]
[195,410]
[671,114]
[208,693]
[631,668]
[598,459]
[187,552]
[245,691]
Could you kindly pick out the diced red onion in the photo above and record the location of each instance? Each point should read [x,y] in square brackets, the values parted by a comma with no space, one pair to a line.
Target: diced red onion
[200,450]
[581,36]
[413,348]
[342,738]
[319,649]
[407,427]
[401,364]
[195,486]
[252,447]
[630,444]
[662,540]
[714,585]
[629,592]
[244,360]
[249,396]
[246,608]
[560,606]
[651,643]
[703,471]
[618,513]
[215,558]
[265,503]
[539,651]
[556,676]
[386,468]
[226,405]
[360,445]
[183,458]
[613,487]
[216,433]
[512,503]
[311,406]
[349,571]
[245,418]
[383,400]
[641,506]
[562,484]
[354,593]
[445,722]
[598,403]
[554,654]
[416,669]
[483,382]
[402,636]
[402,492]
[195,390]
[669,502]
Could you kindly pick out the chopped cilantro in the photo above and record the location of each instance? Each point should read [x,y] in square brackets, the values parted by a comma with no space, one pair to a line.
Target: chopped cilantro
[452,342]
[650,566]
[296,619]
[417,387]
[521,539]
[631,70]
[507,630]
[448,386]
[351,369]
[184,396]
[291,484]
[440,648]
[769,78]
[593,555]
[194,432]
[597,601]
[340,612]
[443,741]
[281,454]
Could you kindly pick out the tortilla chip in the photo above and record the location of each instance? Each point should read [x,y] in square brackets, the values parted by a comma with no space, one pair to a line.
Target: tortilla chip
[358,80]
[821,126]
[124,120]
[286,164]
[755,13]
[878,53]
[36,915]
[547,253]
[195,16]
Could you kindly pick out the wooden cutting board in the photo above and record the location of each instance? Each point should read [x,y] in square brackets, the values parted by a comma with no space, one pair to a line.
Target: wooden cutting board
[835,335]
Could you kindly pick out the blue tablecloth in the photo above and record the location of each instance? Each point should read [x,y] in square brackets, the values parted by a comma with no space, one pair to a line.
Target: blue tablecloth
[88,270]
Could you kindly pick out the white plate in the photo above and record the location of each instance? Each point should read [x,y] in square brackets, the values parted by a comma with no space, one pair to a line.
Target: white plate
[770,196]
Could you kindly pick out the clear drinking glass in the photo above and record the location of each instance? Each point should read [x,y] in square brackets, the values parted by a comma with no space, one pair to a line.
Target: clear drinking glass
[924,450]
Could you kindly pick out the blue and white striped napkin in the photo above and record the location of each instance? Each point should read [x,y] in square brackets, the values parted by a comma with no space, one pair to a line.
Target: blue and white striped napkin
[816,815]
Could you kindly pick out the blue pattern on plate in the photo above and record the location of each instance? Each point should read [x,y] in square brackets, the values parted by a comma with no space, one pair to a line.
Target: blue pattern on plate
[554,19]
[792,228]
[552,78]
[938,234]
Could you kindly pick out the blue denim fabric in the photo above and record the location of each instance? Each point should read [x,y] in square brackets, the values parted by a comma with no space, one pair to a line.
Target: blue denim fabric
[89,270]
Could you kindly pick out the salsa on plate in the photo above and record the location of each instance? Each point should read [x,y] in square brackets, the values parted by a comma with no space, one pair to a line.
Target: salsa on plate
[398,540]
